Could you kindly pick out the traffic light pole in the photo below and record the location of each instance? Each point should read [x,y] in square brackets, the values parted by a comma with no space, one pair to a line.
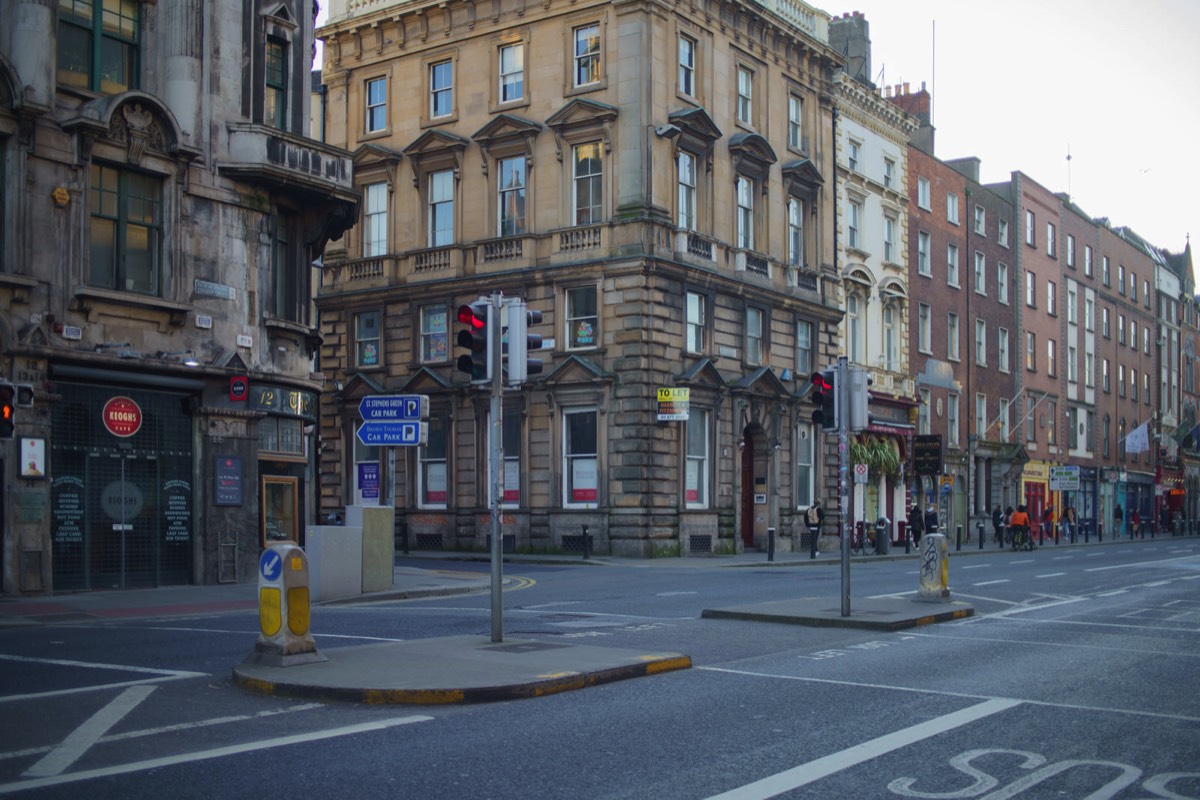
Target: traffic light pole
[495,463]
[843,403]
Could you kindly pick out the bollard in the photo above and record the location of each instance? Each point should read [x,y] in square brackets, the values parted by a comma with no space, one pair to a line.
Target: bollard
[587,545]
[283,608]
[812,545]
[957,538]
[935,568]
[979,529]
[770,544]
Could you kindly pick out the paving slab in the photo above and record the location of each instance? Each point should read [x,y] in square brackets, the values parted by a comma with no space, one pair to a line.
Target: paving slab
[878,613]
[453,669]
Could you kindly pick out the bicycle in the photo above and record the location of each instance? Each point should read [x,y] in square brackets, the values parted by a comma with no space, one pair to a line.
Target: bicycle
[859,543]
[1022,539]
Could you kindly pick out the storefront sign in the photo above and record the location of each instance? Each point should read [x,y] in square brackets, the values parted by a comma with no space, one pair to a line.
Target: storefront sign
[227,481]
[122,417]
[278,400]
[927,454]
[239,388]
[368,480]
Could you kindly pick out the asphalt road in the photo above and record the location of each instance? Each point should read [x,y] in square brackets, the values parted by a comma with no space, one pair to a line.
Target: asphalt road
[1076,678]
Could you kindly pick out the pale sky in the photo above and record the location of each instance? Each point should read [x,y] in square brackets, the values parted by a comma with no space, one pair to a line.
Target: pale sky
[1017,83]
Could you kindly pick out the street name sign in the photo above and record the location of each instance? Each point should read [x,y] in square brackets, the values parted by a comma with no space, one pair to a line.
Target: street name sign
[390,433]
[394,407]
[1064,479]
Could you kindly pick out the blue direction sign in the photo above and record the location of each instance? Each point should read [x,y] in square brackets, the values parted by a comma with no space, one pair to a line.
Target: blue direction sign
[270,565]
[391,433]
[383,407]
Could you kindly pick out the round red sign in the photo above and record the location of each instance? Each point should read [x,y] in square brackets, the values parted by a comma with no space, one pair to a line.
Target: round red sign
[122,416]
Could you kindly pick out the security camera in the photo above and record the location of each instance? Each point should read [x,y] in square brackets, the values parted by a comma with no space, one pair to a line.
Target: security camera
[667,131]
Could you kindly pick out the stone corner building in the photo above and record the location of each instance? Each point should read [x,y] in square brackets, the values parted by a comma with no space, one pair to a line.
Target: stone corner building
[161,206]
[657,179]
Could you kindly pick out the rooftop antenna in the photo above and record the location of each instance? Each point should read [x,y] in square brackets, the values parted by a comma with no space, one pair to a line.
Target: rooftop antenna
[1068,170]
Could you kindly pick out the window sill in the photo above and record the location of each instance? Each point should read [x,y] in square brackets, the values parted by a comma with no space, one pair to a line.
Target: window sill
[89,299]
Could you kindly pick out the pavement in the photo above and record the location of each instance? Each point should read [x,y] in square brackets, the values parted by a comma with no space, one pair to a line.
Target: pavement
[466,669]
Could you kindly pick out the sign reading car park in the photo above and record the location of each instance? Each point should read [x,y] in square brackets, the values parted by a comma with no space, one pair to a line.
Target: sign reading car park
[394,420]
[1064,479]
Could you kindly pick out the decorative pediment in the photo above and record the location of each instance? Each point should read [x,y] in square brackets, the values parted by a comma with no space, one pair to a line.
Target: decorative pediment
[696,122]
[436,148]
[752,155]
[703,373]
[859,275]
[360,385]
[136,119]
[801,178]
[582,117]
[426,381]
[507,132]
[893,290]
[577,370]
[372,159]
[763,382]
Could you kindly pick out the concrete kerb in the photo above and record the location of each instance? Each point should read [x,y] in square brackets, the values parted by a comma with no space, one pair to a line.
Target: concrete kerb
[467,669]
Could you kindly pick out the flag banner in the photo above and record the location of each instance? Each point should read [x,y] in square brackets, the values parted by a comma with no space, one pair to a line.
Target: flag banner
[1138,441]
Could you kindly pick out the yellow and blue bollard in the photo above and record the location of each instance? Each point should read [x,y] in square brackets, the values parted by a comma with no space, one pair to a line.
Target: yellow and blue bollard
[284,608]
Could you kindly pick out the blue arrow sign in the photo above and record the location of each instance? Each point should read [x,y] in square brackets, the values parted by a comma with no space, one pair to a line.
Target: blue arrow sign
[394,406]
[270,565]
[391,433]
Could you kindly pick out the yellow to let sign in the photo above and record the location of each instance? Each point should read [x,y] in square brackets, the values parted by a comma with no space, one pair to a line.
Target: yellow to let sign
[672,404]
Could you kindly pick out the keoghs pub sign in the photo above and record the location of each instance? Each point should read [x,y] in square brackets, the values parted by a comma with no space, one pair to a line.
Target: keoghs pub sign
[122,417]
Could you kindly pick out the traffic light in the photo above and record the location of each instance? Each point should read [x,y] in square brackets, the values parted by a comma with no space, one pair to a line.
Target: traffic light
[477,339]
[824,397]
[521,341]
[8,410]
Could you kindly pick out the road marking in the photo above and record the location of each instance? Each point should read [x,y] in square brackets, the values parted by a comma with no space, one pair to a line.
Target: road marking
[805,774]
[1023,561]
[1111,594]
[1008,612]
[82,738]
[179,726]
[1051,575]
[975,566]
[203,755]
[1142,563]
[989,583]
[162,675]
[1156,583]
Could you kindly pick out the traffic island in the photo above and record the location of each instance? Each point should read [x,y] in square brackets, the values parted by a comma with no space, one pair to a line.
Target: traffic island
[459,669]
[880,613]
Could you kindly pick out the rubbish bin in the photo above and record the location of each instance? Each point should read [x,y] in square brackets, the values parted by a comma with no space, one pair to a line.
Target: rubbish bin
[882,535]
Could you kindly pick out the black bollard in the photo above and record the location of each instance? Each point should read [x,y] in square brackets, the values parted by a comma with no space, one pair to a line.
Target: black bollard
[770,544]
[958,537]
[979,528]
[587,547]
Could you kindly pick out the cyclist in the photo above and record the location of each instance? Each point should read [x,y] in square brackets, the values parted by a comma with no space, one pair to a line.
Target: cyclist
[1020,526]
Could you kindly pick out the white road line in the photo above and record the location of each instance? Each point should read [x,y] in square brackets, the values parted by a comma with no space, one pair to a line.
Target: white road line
[181,726]
[93,665]
[1156,583]
[975,566]
[1023,561]
[80,740]
[100,687]
[1008,612]
[805,774]
[203,755]
[1051,575]
[1110,594]
[989,583]
[1143,563]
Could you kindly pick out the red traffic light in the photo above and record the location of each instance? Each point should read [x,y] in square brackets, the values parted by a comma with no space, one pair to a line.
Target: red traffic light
[819,382]
[467,316]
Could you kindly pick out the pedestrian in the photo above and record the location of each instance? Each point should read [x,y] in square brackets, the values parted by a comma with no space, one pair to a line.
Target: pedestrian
[1048,522]
[997,523]
[1008,513]
[813,518]
[1118,521]
[1134,521]
[931,519]
[1070,524]
[916,523]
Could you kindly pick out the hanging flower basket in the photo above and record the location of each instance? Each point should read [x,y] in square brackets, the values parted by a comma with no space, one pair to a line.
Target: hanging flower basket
[879,456]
